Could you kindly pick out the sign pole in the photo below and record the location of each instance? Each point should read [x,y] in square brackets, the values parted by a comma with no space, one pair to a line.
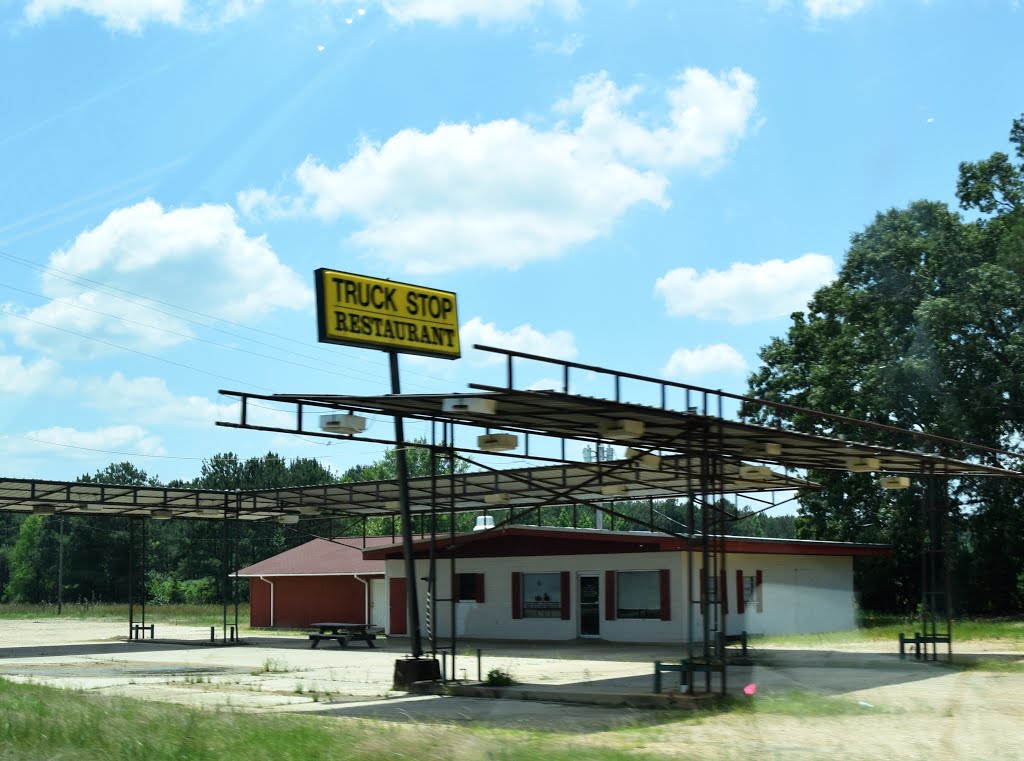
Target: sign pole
[412,597]
[356,310]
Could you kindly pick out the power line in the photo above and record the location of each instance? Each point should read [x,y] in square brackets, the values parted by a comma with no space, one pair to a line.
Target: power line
[186,336]
[105,289]
[103,451]
[134,351]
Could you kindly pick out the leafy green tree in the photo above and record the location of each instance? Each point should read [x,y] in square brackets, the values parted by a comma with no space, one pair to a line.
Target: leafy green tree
[123,473]
[921,329]
[32,560]
[417,460]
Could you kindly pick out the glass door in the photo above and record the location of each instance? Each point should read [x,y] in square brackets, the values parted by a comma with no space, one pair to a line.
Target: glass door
[590,606]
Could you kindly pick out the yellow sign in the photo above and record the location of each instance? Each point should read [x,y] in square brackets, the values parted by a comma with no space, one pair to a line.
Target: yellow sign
[382,314]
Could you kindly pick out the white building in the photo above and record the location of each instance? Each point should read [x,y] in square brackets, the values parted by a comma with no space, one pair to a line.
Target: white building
[557,584]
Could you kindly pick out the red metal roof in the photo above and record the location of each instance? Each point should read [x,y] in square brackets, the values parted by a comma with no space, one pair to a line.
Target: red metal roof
[526,541]
[321,557]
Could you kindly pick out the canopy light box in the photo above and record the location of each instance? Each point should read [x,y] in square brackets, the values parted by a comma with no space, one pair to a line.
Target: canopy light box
[344,423]
[894,482]
[621,429]
[497,442]
[471,404]
[863,464]
[643,459]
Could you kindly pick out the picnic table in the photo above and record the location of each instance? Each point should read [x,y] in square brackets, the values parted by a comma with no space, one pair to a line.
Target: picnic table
[344,633]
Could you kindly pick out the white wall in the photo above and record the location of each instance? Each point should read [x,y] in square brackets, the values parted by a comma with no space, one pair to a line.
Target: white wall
[799,593]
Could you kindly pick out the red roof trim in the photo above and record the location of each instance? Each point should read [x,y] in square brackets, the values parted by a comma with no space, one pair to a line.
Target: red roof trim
[304,575]
[502,542]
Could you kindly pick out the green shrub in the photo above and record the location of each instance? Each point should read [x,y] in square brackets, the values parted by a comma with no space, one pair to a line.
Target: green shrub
[499,678]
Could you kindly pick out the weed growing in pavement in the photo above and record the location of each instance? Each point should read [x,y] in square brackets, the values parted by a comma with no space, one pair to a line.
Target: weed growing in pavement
[272,666]
[499,678]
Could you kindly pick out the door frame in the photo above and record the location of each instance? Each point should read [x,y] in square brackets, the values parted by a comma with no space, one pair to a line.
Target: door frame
[378,602]
[580,575]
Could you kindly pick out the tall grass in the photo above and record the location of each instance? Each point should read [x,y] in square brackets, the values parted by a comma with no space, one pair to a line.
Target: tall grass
[42,723]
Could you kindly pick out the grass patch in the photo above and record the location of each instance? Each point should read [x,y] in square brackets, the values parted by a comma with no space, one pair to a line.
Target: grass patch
[183,615]
[798,703]
[42,723]
[876,627]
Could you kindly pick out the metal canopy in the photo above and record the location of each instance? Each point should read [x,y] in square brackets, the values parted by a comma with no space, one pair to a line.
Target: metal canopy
[73,498]
[566,416]
[478,491]
[681,438]
[612,481]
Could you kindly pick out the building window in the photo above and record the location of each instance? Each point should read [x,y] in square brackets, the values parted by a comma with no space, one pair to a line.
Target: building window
[469,587]
[638,594]
[542,595]
[749,592]
[749,589]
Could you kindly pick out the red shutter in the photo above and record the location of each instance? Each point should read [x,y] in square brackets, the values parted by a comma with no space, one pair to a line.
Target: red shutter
[565,596]
[609,595]
[456,590]
[663,593]
[517,591]
[479,587]
[740,602]
[723,585]
[758,581]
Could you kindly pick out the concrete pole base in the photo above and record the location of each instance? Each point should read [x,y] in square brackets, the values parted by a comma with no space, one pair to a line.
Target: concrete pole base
[410,670]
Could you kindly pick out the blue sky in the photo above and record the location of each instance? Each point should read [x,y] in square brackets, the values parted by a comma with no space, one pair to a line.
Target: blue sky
[651,186]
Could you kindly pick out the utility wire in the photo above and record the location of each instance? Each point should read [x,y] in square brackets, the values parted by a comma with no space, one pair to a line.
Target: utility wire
[136,351]
[94,449]
[78,280]
[186,336]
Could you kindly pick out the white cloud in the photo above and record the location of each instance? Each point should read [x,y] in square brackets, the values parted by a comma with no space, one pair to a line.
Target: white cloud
[147,400]
[504,193]
[716,358]
[482,11]
[567,47]
[745,292]
[81,445]
[560,344]
[195,258]
[708,116]
[825,9]
[18,378]
[132,15]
